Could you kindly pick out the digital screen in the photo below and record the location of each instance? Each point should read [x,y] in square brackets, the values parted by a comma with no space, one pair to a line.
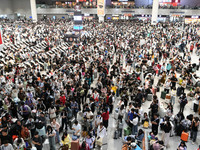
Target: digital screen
[77,18]
[78,27]
[122,0]
[109,18]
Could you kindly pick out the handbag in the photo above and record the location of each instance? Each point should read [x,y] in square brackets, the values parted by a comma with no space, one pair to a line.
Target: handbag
[74,137]
[99,141]
[146,124]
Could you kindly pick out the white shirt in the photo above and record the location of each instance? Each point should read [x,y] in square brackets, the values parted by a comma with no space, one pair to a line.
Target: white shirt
[134,121]
[101,132]
[77,127]
[98,119]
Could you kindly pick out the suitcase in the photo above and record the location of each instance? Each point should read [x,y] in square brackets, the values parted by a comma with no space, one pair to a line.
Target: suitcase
[127,131]
[195,107]
[178,93]
[180,81]
[116,113]
[163,94]
[95,74]
[149,97]
[154,91]
[157,89]
[116,134]
[168,96]
[75,145]
[184,136]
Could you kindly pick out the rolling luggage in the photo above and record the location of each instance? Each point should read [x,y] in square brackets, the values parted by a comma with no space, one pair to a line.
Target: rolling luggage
[75,145]
[116,113]
[195,107]
[149,97]
[127,131]
[178,93]
[168,96]
[184,136]
[180,80]
[163,94]
[95,74]
[154,91]
[116,134]
[157,89]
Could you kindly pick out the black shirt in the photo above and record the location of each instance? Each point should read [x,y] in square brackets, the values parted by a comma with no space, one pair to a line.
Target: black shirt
[6,138]
[39,140]
[173,79]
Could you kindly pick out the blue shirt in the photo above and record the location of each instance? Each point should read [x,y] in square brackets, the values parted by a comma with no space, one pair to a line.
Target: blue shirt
[130,114]
[137,148]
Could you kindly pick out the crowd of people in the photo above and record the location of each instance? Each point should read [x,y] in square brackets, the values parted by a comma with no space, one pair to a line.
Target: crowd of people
[66,93]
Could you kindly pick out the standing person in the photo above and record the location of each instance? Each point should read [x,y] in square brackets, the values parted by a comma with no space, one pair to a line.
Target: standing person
[167,86]
[173,81]
[52,113]
[101,133]
[77,129]
[56,126]
[64,121]
[168,68]
[194,129]
[110,102]
[19,144]
[37,141]
[183,85]
[51,136]
[74,107]
[105,116]
[173,96]
[183,101]
[182,146]
[90,141]
[98,120]
[6,146]
[66,140]
[166,132]
[135,124]
[155,124]
[25,111]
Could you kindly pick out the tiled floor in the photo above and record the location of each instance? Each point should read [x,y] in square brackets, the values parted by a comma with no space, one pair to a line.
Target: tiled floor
[174,141]
[111,144]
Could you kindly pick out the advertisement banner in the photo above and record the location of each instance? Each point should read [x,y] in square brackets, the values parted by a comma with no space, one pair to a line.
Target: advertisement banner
[100,7]
[1,38]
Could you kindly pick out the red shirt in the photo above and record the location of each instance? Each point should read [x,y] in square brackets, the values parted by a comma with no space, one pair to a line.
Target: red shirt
[63,99]
[105,115]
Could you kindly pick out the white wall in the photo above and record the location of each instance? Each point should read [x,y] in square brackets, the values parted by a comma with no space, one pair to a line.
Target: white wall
[15,6]
[22,6]
[5,7]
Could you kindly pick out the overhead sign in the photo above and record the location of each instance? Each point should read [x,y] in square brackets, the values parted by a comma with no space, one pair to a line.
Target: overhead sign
[100,7]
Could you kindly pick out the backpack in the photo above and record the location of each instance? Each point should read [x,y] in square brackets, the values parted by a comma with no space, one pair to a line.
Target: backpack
[25,133]
[69,112]
[82,92]
[39,124]
[125,147]
[110,100]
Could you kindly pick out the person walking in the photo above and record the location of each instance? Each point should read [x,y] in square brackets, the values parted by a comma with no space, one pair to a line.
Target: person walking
[51,136]
[194,129]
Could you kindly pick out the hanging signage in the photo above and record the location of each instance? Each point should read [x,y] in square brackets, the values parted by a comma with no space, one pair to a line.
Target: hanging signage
[100,7]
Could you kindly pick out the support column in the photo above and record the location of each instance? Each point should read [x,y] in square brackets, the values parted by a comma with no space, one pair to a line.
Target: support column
[101,10]
[33,10]
[101,18]
[1,39]
[154,18]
